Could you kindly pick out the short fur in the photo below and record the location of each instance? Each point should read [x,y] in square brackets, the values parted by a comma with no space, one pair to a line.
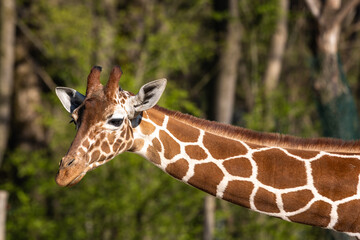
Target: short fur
[266,139]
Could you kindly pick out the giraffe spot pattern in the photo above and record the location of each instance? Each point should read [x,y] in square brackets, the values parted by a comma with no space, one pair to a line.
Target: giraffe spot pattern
[266,201]
[81,152]
[318,213]
[240,167]
[157,145]
[328,170]
[349,212]
[171,147]
[105,147]
[301,197]
[232,167]
[233,189]
[146,128]
[227,148]
[112,138]
[138,144]
[195,152]
[153,155]
[183,132]
[207,176]
[86,143]
[274,161]
[178,169]
[158,119]
[95,156]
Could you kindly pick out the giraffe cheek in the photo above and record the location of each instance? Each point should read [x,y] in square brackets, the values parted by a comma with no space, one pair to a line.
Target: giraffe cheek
[105,148]
[118,147]
[95,156]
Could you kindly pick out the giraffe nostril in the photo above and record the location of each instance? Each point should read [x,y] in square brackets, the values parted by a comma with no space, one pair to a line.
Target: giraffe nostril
[71,162]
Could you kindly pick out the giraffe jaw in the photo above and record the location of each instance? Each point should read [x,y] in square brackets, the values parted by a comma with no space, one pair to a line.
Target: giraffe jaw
[76,180]
[64,182]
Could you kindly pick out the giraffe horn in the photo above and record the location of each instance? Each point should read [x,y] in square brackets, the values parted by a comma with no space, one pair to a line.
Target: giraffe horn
[93,80]
[113,84]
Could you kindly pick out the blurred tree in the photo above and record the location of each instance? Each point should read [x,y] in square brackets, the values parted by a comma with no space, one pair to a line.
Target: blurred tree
[7,59]
[335,98]
[57,43]
[274,63]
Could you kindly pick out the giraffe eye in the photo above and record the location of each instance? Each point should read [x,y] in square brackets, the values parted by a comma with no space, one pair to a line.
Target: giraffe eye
[116,121]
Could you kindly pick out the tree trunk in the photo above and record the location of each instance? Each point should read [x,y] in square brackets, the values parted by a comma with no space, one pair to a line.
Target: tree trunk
[336,104]
[229,63]
[3,211]
[274,64]
[29,133]
[7,46]
[225,94]
[277,49]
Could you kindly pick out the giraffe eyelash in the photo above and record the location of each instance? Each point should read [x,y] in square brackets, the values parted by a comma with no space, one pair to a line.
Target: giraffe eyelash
[73,121]
[116,122]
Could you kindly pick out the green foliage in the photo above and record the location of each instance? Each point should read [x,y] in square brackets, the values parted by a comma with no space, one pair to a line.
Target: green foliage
[66,33]
[129,198]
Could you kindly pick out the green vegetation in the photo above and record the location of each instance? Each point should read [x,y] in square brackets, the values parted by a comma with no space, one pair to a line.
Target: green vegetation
[129,198]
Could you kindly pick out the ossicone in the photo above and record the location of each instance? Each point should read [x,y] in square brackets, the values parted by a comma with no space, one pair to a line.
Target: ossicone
[93,81]
[112,85]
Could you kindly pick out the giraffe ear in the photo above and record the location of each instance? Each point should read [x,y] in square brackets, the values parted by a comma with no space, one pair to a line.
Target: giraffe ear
[70,98]
[149,95]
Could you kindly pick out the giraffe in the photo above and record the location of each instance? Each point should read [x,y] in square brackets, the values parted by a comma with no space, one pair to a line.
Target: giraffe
[309,181]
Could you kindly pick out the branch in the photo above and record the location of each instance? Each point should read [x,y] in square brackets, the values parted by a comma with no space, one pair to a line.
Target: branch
[31,37]
[314,7]
[344,10]
[47,79]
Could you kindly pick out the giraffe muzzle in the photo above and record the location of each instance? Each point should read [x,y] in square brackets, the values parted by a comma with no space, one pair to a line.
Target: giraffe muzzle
[71,171]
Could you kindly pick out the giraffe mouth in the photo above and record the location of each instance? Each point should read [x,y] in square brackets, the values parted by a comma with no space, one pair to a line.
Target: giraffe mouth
[91,167]
[76,179]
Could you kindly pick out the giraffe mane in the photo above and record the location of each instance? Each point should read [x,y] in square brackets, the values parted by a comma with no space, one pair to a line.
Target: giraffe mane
[265,138]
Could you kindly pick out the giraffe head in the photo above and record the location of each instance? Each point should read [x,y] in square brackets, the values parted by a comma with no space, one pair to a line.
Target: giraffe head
[104,120]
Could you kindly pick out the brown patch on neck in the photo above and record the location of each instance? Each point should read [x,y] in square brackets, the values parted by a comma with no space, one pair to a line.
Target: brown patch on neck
[317,215]
[153,155]
[336,178]
[183,132]
[157,145]
[349,212]
[171,147]
[266,201]
[240,167]
[238,192]
[146,128]
[278,170]
[206,177]
[138,144]
[178,169]
[195,152]
[295,200]
[155,116]
[222,148]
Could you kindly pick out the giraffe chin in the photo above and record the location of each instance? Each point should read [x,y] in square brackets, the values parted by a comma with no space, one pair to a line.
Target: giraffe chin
[76,180]
[69,182]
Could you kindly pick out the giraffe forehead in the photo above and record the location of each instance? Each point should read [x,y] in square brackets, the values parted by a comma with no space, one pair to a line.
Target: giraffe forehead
[123,104]
[119,111]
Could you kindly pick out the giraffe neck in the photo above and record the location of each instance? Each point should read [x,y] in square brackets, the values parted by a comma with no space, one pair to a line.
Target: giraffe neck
[313,187]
